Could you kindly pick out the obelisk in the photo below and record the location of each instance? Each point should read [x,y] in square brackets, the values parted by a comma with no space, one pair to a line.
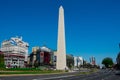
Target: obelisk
[61,47]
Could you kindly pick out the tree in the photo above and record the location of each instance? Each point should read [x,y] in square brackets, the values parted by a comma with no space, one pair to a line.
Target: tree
[70,61]
[2,65]
[108,62]
[36,64]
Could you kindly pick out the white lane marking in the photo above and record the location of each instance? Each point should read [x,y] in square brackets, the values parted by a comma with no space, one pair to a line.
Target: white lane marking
[53,77]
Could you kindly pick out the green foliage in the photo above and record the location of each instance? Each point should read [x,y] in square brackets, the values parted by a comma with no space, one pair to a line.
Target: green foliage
[22,69]
[70,61]
[108,62]
[29,71]
[2,65]
[36,64]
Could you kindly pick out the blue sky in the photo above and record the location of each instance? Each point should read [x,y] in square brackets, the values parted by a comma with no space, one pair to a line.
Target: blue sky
[92,26]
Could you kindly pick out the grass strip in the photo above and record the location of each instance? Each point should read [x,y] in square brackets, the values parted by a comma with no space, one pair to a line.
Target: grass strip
[29,72]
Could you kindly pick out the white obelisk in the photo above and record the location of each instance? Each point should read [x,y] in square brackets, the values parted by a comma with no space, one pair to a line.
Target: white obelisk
[61,47]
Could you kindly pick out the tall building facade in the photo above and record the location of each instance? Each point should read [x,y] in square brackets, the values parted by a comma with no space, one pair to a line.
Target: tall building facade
[41,56]
[78,61]
[61,47]
[15,52]
[92,60]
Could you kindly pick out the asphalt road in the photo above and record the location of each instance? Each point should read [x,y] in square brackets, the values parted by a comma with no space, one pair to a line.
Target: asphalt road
[101,75]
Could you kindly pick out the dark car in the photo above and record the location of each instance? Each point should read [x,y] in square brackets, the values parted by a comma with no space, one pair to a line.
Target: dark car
[117,72]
